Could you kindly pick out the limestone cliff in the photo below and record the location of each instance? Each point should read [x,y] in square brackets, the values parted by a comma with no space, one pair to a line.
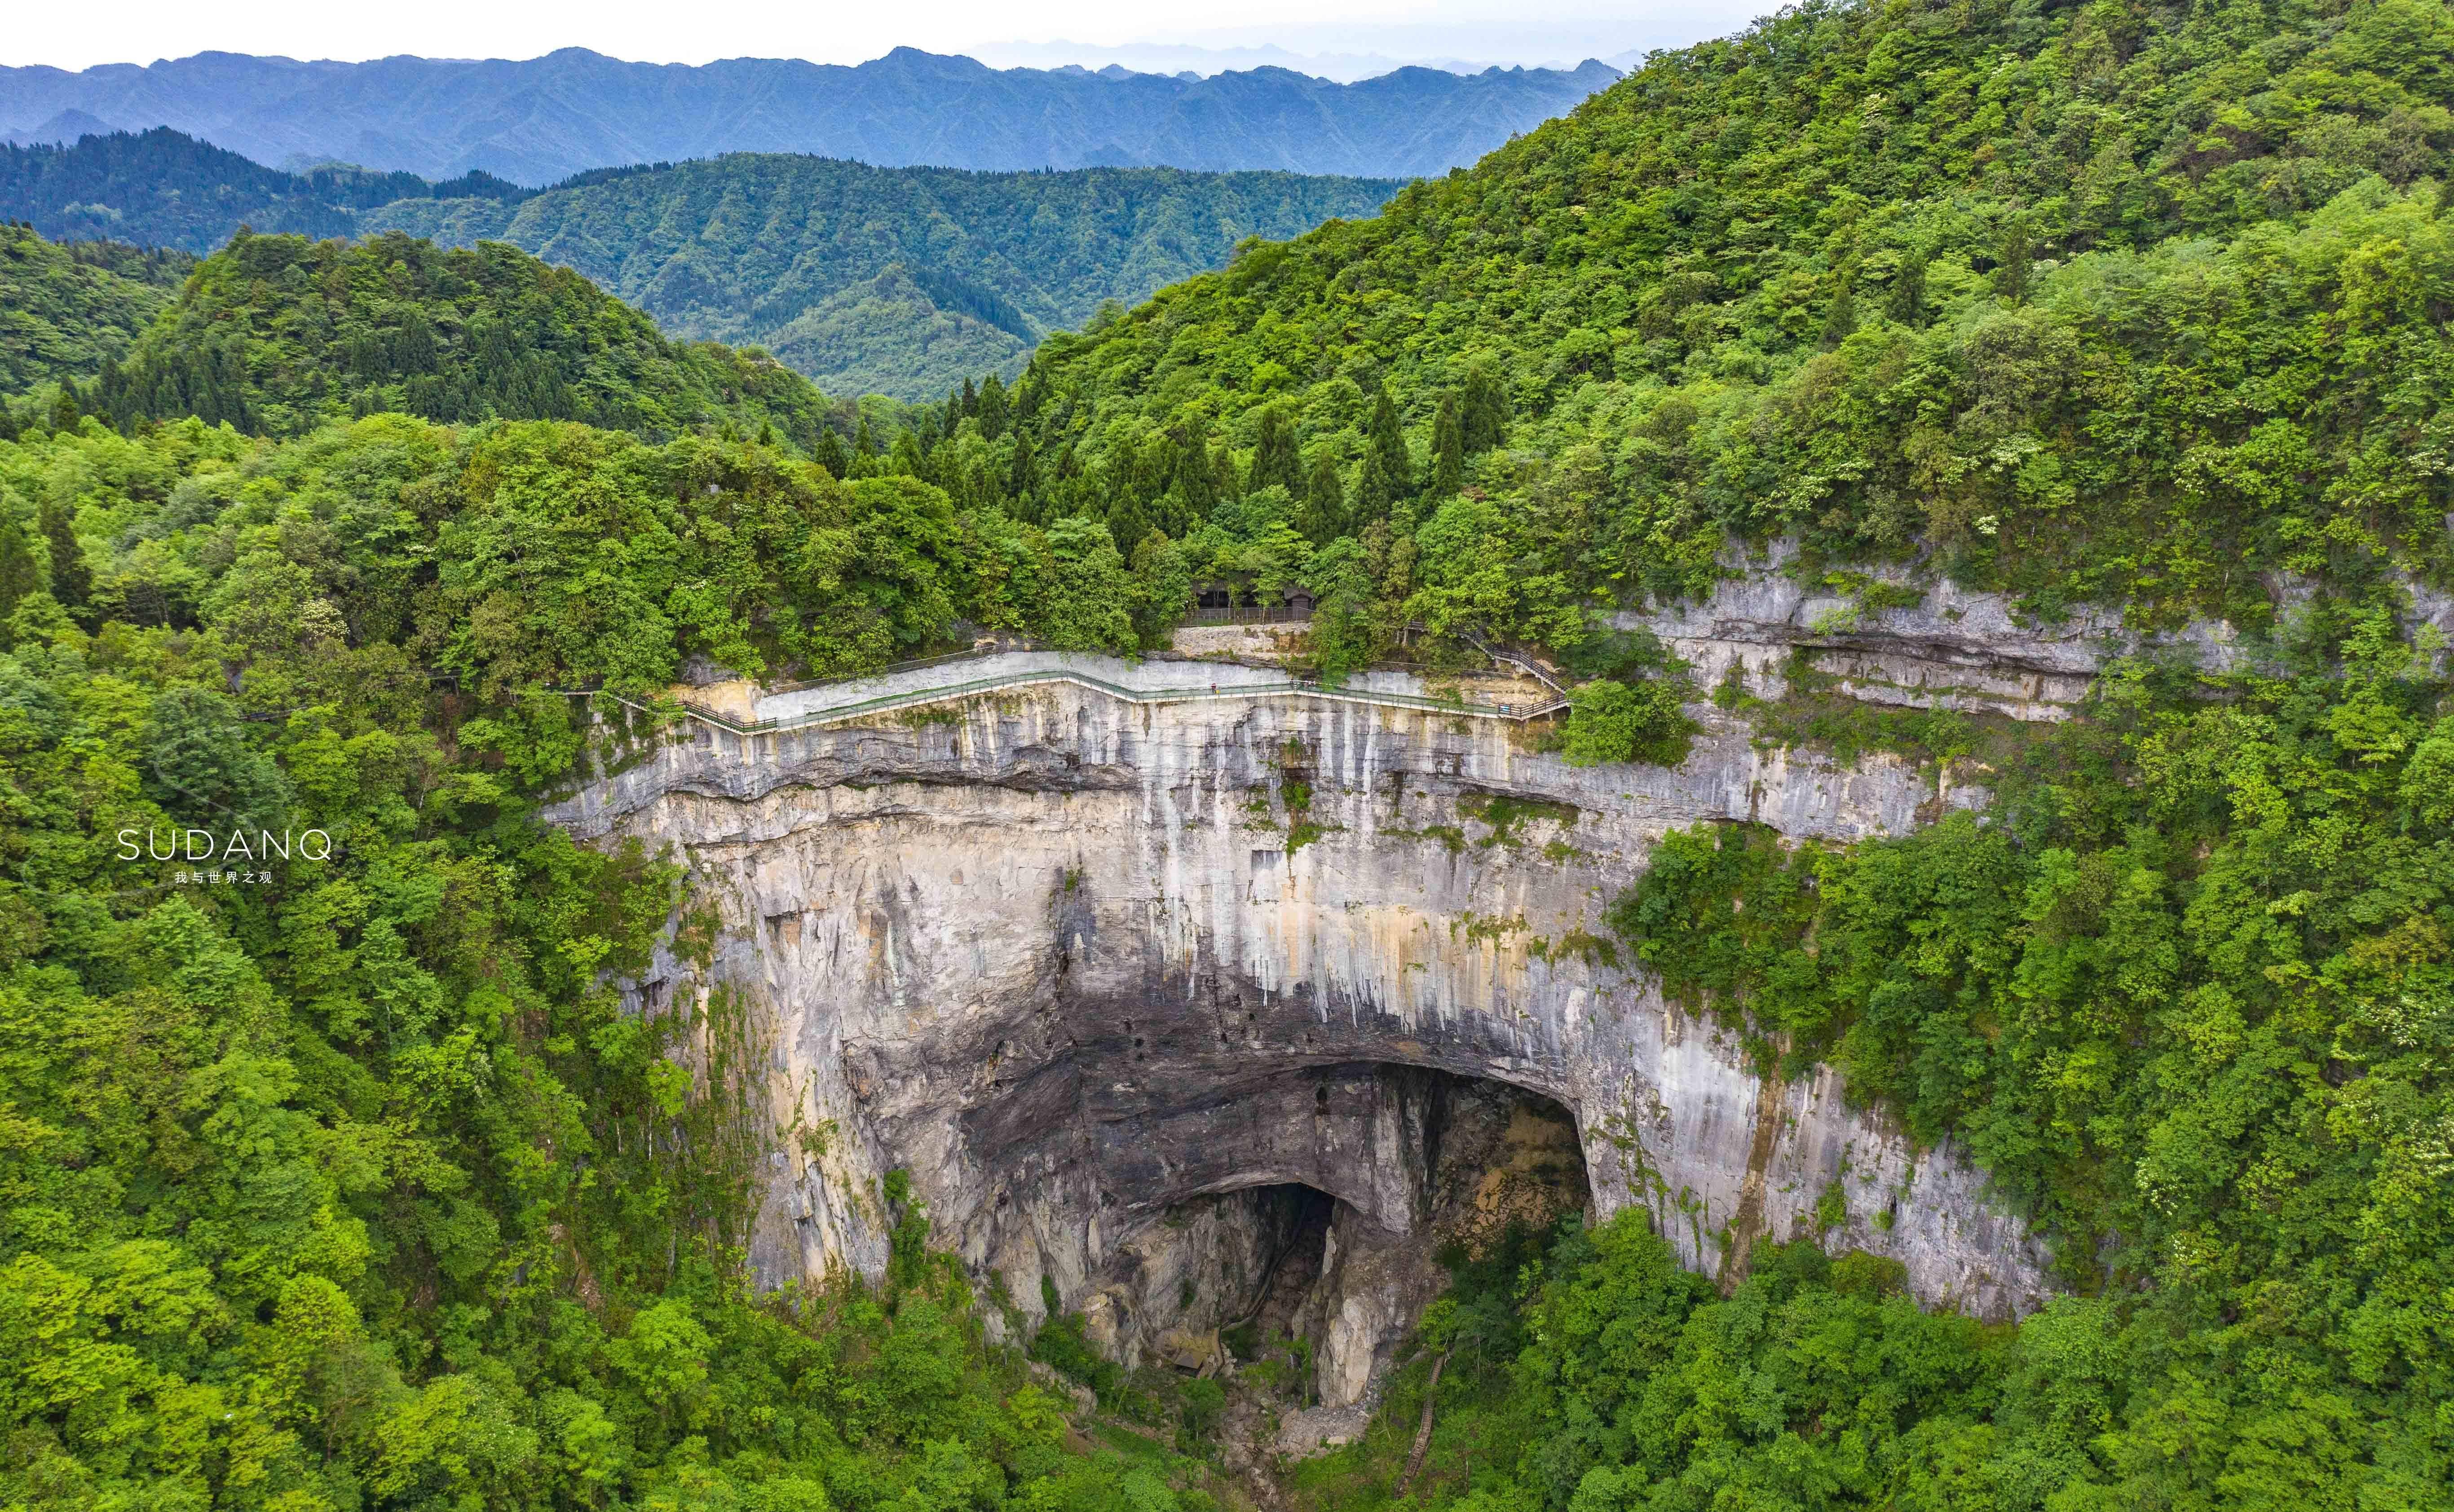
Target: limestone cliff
[1078,963]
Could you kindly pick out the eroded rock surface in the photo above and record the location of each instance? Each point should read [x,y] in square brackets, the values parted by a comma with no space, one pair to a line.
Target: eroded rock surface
[1078,963]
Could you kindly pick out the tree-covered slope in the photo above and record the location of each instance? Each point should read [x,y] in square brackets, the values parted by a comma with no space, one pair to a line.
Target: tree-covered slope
[66,311]
[164,188]
[277,335]
[739,248]
[2122,301]
[337,1174]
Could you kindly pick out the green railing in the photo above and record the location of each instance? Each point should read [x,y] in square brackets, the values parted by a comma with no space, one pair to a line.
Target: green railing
[915,698]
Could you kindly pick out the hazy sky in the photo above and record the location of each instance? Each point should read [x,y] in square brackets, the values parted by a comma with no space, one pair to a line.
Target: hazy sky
[76,36]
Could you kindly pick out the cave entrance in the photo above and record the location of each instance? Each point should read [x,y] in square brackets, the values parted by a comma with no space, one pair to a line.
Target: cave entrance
[1295,1219]
[1378,1175]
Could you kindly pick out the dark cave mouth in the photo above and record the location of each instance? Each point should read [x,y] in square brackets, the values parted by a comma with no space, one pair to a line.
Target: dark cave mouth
[1454,1166]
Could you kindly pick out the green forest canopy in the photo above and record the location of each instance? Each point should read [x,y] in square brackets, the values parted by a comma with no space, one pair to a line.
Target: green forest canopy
[277,335]
[307,1183]
[777,250]
[66,311]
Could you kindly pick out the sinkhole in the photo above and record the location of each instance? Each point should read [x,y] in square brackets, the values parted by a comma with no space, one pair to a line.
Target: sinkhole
[1328,1199]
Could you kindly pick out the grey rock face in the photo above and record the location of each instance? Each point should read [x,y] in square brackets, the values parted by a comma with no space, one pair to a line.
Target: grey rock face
[1950,648]
[1076,963]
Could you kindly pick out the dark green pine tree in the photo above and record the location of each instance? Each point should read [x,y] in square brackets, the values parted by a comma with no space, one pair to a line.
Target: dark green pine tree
[1389,444]
[71,580]
[1373,491]
[2017,249]
[971,399]
[1030,391]
[1022,476]
[1322,519]
[1196,482]
[1274,455]
[1841,316]
[1484,413]
[993,408]
[20,574]
[1906,302]
[829,452]
[1448,449]
[1222,467]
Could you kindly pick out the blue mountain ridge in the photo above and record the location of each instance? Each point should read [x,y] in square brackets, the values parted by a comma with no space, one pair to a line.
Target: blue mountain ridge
[542,119]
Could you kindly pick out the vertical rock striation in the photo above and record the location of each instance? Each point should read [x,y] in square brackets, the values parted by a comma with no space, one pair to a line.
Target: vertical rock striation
[1076,963]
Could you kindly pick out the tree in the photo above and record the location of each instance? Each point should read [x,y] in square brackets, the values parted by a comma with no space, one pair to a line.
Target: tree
[1484,413]
[1841,316]
[1022,474]
[993,407]
[1323,517]
[1274,455]
[1906,302]
[2016,248]
[1617,722]
[829,453]
[1389,444]
[1448,449]
[1373,491]
[20,574]
[71,580]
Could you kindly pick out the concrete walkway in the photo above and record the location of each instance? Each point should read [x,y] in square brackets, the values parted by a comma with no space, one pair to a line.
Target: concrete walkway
[1150,682]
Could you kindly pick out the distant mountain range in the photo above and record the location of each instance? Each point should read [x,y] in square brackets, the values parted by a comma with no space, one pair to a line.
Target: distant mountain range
[900,281]
[536,121]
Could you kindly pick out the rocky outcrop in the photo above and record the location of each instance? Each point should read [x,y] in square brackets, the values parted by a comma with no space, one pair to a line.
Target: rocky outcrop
[1896,636]
[1082,965]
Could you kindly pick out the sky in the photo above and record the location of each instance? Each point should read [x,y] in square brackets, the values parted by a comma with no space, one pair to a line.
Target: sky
[1356,36]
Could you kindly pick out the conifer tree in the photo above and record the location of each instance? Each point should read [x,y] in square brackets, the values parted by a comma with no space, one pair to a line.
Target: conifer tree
[1448,449]
[1373,491]
[19,572]
[1389,444]
[1485,413]
[1196,480]
[1022,476]
[829,452]
[1906,303]
[1322,519]
[1841,316]
[71,580]
[993,408]
[1274,455]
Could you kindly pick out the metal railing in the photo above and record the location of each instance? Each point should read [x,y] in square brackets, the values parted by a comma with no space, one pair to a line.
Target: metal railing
[889,703]
[919,664]
[1275,615]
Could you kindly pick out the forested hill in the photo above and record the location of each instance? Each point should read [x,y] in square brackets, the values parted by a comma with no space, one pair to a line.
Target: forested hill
[66,311]
[164,188]
[780,250]
[543,119]
[2114,301]
[277,335]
